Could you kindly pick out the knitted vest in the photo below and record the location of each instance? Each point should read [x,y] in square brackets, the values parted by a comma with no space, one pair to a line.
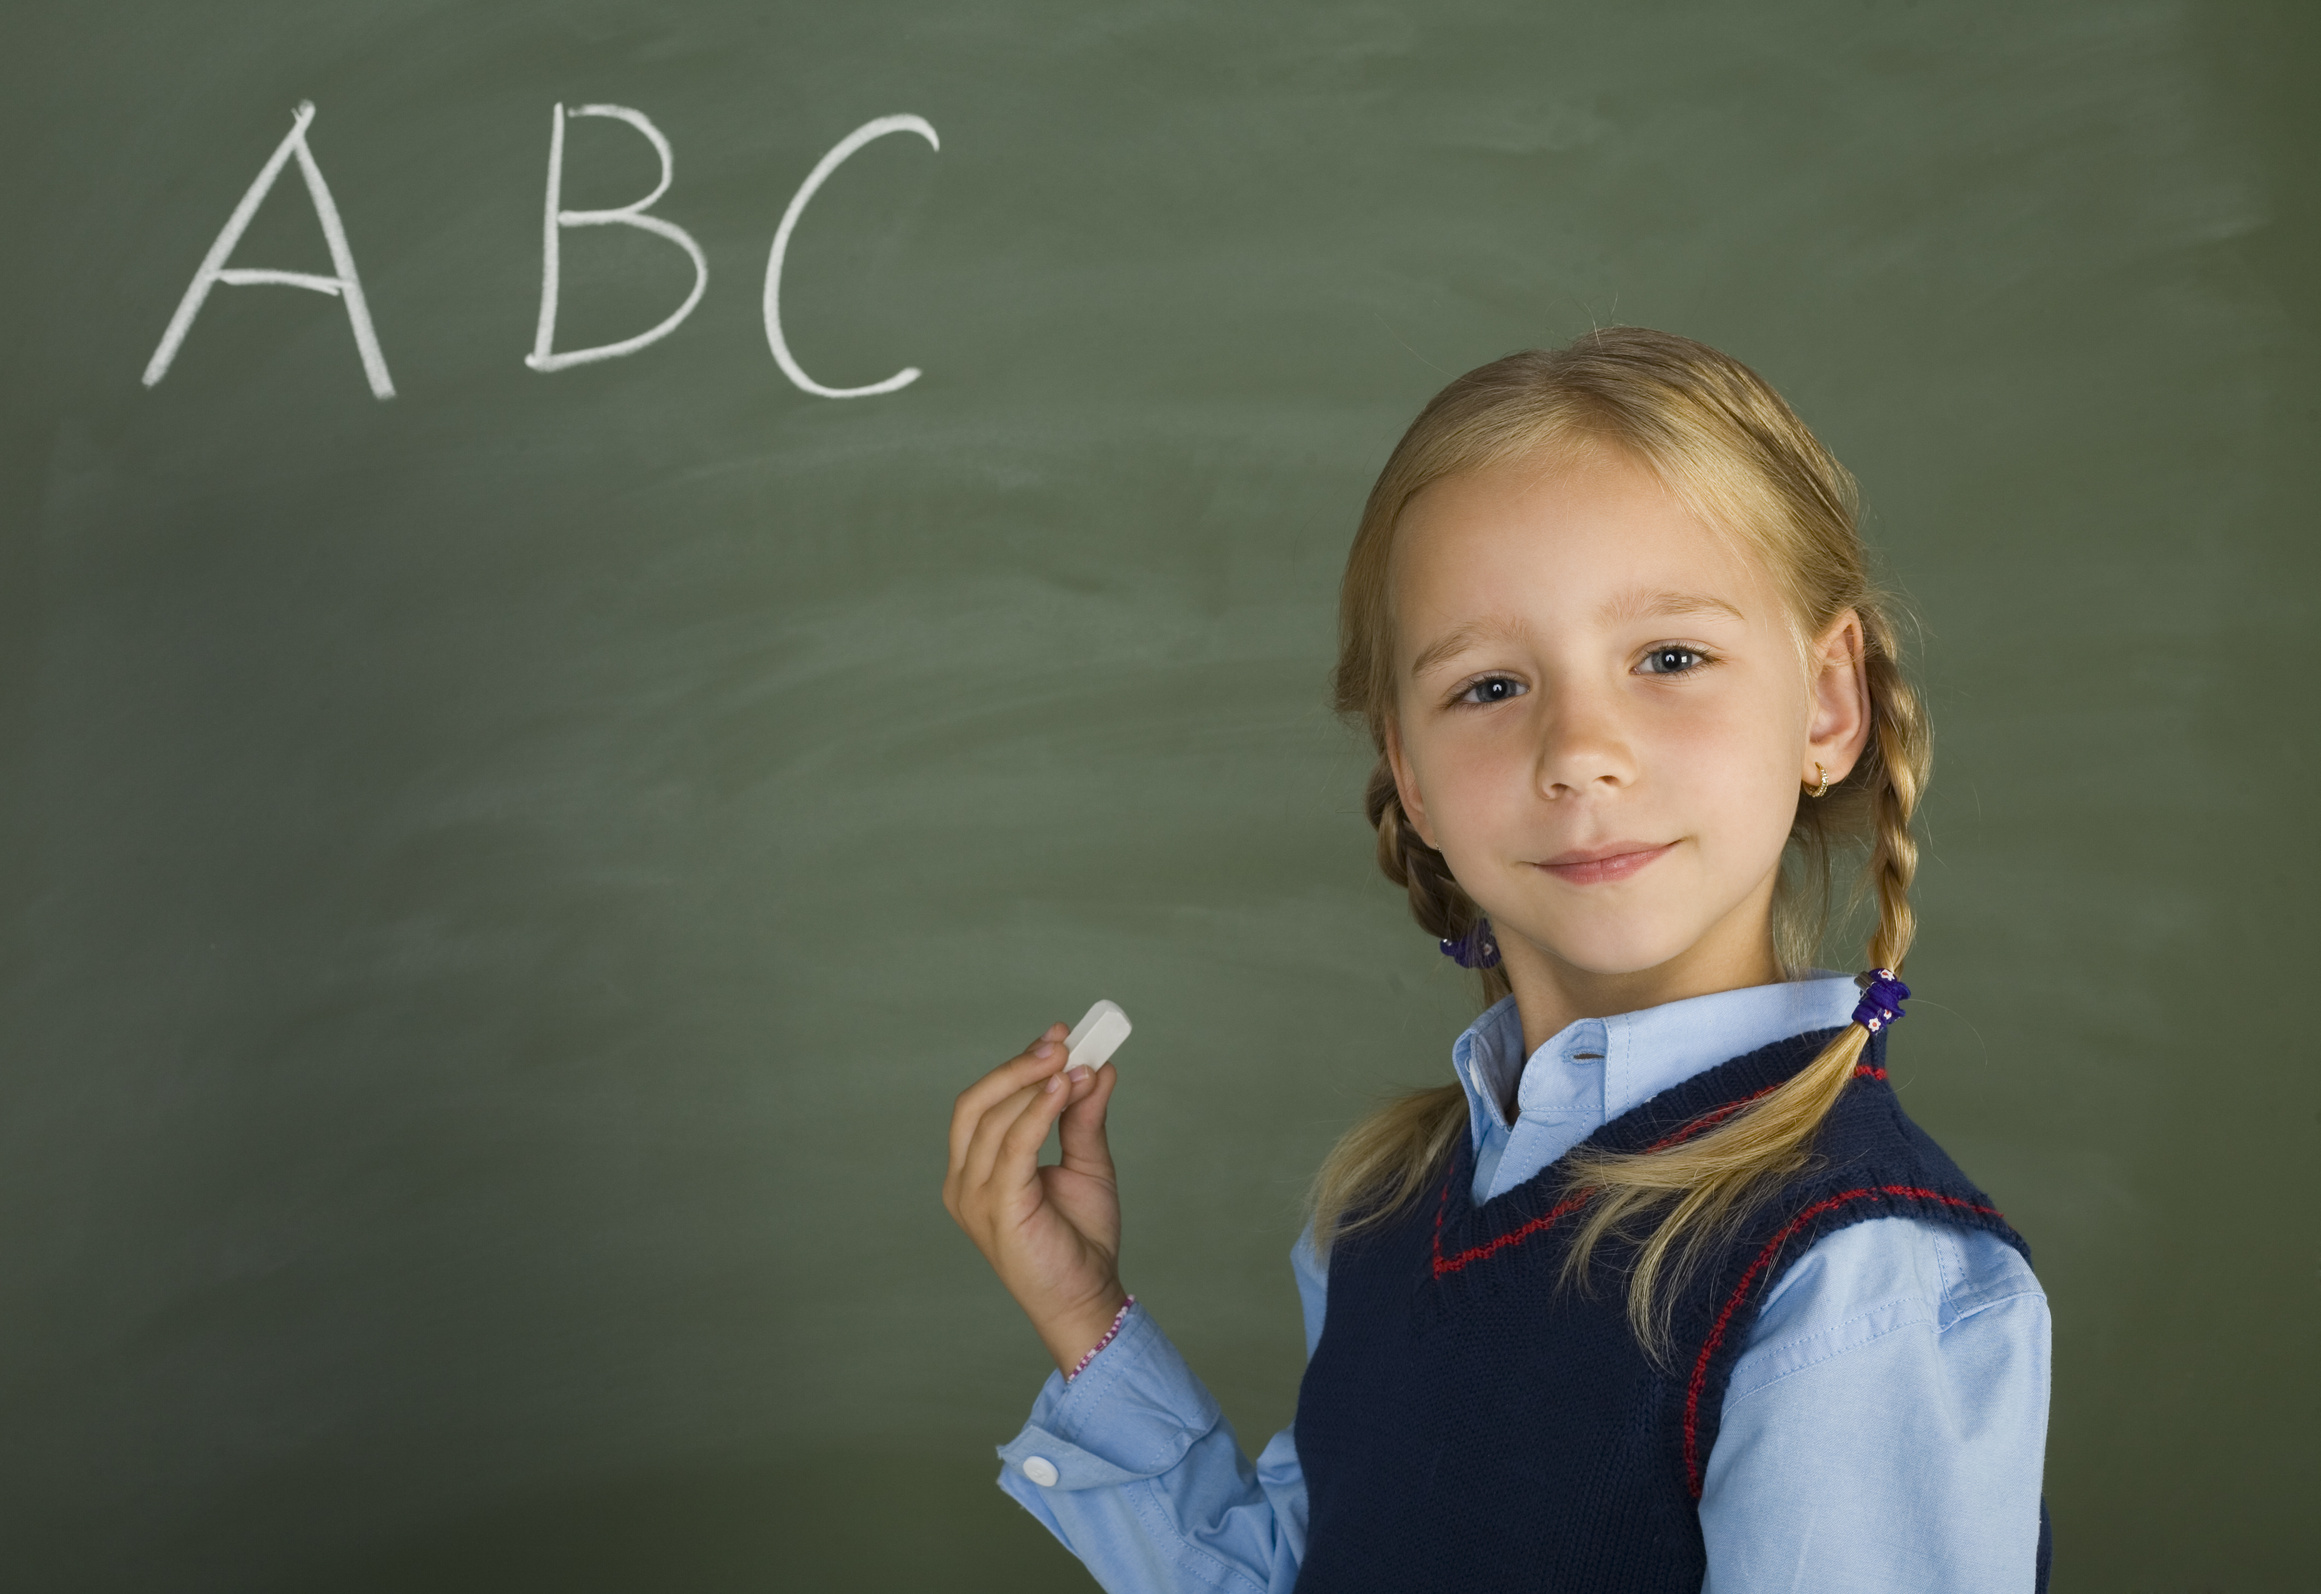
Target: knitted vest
[1467,1425]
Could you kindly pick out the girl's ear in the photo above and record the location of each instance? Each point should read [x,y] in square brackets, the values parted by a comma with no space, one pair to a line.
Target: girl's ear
[1406,785]
[1838,700]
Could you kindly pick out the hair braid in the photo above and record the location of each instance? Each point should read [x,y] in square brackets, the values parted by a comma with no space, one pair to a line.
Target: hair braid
[1437,900]
[1385,1160]
[1902,763]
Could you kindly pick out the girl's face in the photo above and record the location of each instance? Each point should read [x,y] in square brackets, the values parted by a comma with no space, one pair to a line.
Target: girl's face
[1603,719]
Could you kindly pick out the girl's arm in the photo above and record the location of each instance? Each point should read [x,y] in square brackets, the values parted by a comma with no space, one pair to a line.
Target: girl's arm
[1151,1489]
[1885,1427]
[1051,1234]
[1135,1470]
[1130,1463]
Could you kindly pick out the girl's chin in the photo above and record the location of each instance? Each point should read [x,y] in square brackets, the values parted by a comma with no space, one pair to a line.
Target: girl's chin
[1610,953]
[1610,964]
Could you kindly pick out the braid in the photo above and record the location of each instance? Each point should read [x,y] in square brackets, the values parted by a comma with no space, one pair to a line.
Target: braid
[1902,760]
[1384,1161]
[1437,901]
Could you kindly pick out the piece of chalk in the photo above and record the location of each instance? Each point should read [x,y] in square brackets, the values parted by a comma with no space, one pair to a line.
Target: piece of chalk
[1096,1037]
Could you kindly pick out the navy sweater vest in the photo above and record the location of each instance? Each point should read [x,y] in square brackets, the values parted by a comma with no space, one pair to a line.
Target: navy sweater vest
[1467,1425]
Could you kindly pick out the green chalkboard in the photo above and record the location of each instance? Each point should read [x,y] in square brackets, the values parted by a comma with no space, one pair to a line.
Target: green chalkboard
[501,883]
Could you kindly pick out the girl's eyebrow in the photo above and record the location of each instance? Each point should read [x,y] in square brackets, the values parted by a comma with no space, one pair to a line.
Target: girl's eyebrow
[1461,637]
[1643,605]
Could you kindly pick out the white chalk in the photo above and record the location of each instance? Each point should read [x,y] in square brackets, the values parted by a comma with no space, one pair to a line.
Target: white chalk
[1096,1037]
[876,128]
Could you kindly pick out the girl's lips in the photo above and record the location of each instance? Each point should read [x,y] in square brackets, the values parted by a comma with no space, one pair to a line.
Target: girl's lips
[1588,866]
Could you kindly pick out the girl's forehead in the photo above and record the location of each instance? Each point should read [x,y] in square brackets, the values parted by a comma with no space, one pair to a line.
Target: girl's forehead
[1591,535]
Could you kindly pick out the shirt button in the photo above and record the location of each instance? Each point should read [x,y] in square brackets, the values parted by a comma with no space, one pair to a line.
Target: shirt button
[1040,1470]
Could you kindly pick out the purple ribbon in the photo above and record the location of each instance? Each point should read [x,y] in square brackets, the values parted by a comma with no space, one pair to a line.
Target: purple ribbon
[1881,1002]
[1477,949]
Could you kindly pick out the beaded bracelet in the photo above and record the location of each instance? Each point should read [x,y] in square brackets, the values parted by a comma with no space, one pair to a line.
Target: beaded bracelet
[1110,1334]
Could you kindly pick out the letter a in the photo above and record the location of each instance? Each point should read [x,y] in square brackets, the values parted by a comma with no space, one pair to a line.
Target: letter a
[773,300]
[342,260]
[543,356]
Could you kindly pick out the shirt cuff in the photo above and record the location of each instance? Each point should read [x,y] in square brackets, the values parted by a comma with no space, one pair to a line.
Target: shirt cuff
[1132,1413]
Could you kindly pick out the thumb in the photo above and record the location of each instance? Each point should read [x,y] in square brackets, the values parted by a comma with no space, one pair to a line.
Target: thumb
[1080,1136]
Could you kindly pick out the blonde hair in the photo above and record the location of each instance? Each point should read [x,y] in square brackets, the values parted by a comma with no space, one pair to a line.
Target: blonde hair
[1723,442]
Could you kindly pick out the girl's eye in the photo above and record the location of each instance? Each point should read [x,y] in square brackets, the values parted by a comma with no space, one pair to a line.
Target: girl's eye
[1672,660]
[1491,689]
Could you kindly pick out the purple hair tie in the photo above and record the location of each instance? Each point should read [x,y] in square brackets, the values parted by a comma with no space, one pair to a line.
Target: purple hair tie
[1477,949]
[1881,1003]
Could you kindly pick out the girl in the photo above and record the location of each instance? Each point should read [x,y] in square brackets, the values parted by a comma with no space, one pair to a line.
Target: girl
[1666,1292]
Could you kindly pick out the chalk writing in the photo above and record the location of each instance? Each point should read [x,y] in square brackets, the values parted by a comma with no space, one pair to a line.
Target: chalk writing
[555,221]
[543,356]
[829,163]
[214,270]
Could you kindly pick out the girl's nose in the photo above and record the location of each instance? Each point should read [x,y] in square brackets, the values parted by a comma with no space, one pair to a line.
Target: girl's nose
[1584,748]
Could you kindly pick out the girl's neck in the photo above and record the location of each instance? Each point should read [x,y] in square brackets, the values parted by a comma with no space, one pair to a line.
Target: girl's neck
[1552,994]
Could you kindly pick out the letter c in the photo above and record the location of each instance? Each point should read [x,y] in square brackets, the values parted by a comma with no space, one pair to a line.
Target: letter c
[814,180]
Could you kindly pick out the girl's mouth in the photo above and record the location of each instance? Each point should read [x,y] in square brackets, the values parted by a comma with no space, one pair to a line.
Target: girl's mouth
[1589,866]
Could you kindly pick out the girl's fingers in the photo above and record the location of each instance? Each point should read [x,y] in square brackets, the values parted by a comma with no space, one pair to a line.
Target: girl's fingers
[1001,1083]
[1087,1149]
[1018,1162]
[983,1145]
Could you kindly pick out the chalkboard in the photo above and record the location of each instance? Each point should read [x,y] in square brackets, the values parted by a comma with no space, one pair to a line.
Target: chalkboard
[503,881]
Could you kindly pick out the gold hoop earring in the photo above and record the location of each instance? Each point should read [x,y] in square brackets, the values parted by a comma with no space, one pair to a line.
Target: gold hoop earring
[1821,775]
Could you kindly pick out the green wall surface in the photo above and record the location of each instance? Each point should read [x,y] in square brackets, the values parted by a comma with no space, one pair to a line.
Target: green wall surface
[500,885]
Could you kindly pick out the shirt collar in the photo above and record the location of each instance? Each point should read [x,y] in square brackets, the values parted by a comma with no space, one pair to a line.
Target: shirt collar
[1638,1055]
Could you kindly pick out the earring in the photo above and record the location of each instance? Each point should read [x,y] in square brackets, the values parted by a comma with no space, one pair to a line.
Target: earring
[1821,775]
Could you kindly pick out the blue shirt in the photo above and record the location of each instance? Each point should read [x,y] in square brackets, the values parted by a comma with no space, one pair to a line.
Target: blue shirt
[1884,1429]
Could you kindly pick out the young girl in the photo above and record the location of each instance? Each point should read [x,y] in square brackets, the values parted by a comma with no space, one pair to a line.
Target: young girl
[1666,1292]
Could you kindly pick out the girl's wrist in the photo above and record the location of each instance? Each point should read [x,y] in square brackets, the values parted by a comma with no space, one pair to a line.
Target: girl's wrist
[1110,1334]
[1074,1340]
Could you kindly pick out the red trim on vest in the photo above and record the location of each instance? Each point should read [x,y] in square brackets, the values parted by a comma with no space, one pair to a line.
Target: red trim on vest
[1452,1264]
[1717,1115]
[1710,1119]
[1700,1368]
[1707,1120]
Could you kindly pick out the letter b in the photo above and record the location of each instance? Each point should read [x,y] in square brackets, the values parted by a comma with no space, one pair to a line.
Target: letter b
[543,356]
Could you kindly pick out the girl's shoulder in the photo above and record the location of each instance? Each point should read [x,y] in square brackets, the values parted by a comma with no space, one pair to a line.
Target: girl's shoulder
[1896,1238]
[1949,1270]
[1890,1275]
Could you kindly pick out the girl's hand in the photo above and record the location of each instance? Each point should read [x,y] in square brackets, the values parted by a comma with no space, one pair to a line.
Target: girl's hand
[1052,1234]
